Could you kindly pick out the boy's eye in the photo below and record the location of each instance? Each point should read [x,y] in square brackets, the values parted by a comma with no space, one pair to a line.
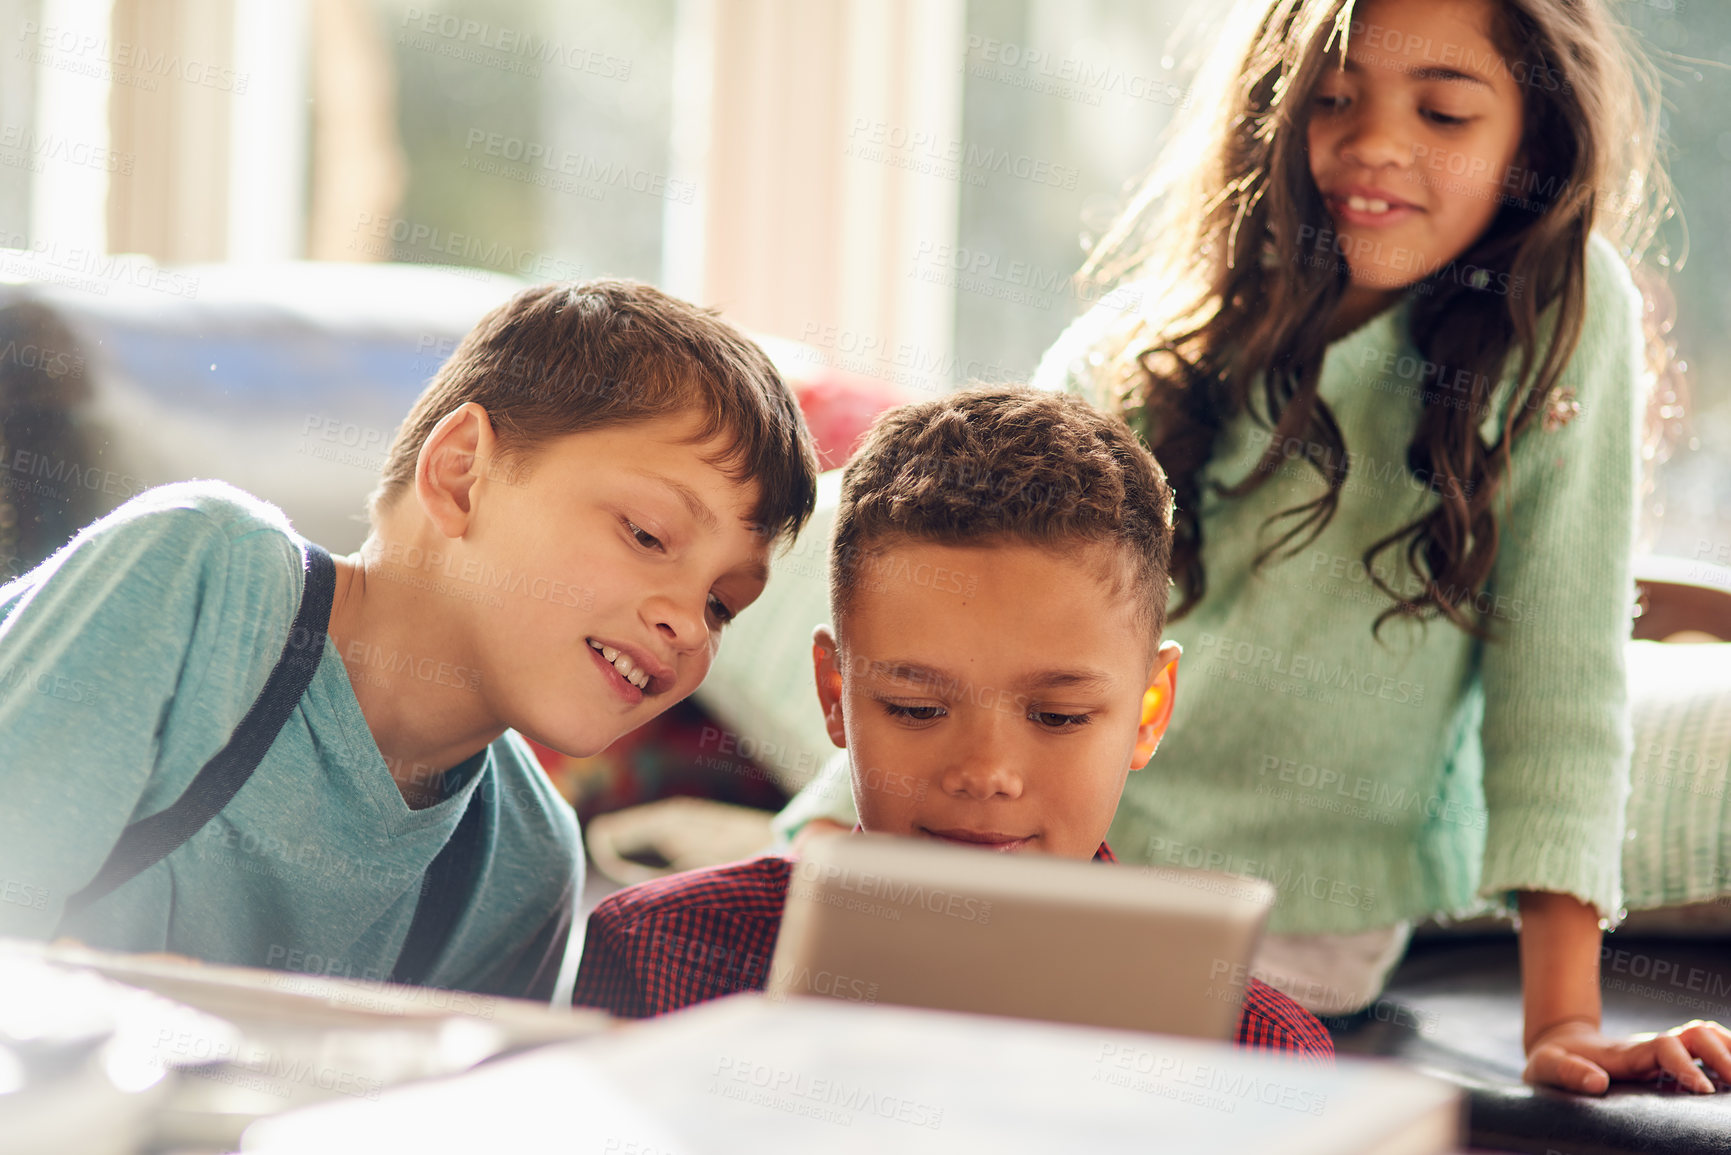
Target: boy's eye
[720,610]
[645,539]
[1055,721]
[913,713]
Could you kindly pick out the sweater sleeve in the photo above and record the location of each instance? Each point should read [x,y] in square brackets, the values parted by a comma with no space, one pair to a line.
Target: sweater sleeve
[828,795]
[1556,718]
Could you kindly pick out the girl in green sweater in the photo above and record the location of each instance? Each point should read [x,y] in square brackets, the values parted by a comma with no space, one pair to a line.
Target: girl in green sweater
[1367,316]
[1395,375]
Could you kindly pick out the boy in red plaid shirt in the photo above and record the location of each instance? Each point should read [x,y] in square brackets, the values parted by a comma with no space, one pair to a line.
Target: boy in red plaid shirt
[998,580]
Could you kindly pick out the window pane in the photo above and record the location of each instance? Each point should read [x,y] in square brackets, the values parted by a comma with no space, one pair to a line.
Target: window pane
[536,135]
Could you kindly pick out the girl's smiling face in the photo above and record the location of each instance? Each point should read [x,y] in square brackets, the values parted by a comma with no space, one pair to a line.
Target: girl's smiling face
[1411,141]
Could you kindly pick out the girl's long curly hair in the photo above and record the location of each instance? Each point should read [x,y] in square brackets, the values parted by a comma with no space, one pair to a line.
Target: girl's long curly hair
[1231,324]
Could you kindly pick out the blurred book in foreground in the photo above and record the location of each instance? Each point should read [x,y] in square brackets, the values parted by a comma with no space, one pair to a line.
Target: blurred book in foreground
[751,1074]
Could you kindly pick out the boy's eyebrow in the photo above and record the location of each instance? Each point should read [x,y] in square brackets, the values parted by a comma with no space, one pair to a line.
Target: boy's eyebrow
[688,496]
[1057,679]
[1065,680]
[757,570]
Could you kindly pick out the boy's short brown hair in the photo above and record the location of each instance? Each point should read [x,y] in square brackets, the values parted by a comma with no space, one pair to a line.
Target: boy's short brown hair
[1005,463]
[568,357]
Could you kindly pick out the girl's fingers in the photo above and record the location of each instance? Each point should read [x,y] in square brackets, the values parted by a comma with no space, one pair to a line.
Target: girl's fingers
[1554,1066]
[1675,1059]
[1584,1075]
[1708,1042]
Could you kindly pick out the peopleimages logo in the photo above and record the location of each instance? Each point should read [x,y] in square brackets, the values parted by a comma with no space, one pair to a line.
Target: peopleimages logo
[1290,880]
[878,139]
[1068,77]
[1322,787]
[832,1100]
[1305,668]
[472,40]
[48,476]
[897,892]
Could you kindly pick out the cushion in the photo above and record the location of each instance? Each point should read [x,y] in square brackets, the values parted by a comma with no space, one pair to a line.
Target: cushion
[1678,847]
[760,688]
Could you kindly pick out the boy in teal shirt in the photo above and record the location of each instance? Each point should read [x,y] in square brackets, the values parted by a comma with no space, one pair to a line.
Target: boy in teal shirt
[576,505]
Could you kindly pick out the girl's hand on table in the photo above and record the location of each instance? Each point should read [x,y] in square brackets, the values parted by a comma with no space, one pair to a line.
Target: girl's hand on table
[1577,1057]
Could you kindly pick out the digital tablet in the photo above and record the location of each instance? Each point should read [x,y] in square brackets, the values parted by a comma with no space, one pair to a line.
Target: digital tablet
[879,919]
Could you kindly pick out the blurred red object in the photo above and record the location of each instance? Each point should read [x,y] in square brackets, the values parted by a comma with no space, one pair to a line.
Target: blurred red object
[839,405]
[677,752]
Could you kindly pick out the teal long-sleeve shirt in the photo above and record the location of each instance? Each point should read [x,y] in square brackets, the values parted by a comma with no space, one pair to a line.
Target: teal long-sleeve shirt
[128,659]
[1375,782]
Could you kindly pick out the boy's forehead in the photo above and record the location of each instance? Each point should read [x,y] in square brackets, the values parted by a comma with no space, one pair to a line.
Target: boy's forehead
[666,452]
[915,598]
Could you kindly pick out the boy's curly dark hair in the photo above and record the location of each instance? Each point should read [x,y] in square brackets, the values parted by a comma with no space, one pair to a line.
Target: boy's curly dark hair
[1006,463]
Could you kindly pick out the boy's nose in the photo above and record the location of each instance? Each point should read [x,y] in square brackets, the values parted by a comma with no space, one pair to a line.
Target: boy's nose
[980,772]
[682,629]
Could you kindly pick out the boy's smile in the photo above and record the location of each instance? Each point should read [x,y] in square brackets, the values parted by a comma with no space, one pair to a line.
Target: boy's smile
[660,541]
[1002,710]
[587,584]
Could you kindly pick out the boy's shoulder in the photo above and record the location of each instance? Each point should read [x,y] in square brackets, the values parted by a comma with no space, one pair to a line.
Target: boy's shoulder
[1273,1021]
[172,525]
[184,506]
[666,944]
[167,553]
[751,887]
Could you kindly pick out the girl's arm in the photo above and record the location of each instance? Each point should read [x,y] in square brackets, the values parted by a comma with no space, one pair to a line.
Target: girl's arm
[1560,940]
[1555,730]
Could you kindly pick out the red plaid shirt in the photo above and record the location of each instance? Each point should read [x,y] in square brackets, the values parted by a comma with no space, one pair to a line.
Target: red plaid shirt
[695,936]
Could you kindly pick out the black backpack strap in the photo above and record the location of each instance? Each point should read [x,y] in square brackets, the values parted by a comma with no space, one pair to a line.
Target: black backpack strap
[445,891]
[149,840]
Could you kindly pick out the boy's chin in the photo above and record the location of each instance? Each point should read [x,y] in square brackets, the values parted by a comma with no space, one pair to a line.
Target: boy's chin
[587,737]
[580,744]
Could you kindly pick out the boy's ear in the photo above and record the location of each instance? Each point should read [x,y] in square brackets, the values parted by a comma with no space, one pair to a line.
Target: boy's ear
[450,463]
[827,667]
[1157,704]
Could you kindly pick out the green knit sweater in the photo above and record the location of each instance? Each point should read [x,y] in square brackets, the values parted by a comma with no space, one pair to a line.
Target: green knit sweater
[1372,781]
[1379,781]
